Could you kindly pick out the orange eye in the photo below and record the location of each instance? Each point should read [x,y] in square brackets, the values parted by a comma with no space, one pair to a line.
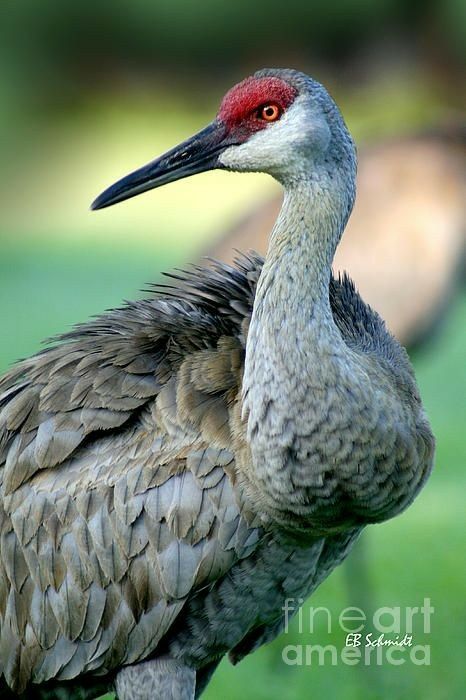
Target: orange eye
[270,113]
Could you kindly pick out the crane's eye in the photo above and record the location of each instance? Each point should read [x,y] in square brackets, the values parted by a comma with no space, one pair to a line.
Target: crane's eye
[269,113]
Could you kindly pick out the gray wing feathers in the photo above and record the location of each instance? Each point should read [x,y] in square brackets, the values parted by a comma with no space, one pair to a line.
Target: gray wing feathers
[62,401]
[98,579]
[116,488]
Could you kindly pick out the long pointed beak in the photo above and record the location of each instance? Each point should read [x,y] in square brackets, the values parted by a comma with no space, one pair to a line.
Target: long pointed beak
[196,155]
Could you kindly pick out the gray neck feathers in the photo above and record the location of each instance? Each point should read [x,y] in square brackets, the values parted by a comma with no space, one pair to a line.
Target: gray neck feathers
[292,321]
[294,348]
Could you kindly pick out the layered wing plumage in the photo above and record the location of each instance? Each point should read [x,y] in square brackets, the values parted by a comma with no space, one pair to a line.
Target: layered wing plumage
[117,477]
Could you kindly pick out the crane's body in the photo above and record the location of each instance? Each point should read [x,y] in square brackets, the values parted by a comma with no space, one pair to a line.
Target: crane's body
[174,470]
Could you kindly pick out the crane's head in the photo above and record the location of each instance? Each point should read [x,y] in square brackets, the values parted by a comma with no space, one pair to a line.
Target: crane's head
[279,122]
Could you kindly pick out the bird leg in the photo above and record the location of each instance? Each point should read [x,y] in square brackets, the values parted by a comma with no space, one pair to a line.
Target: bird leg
[162,678]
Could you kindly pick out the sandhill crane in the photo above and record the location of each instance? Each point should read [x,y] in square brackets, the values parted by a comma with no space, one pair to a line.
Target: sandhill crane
[174,470]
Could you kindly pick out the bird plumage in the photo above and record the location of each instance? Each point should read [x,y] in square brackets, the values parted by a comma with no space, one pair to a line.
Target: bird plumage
[173,470]
[119,510]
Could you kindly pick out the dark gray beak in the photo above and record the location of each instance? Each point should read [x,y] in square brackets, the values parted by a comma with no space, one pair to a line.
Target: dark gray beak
[196,155]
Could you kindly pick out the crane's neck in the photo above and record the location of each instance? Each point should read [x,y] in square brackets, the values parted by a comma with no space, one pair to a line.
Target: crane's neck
[294,350]
[294,285]
[292,324]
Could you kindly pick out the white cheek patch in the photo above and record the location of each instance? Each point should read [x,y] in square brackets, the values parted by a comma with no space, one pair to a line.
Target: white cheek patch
[278,144]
